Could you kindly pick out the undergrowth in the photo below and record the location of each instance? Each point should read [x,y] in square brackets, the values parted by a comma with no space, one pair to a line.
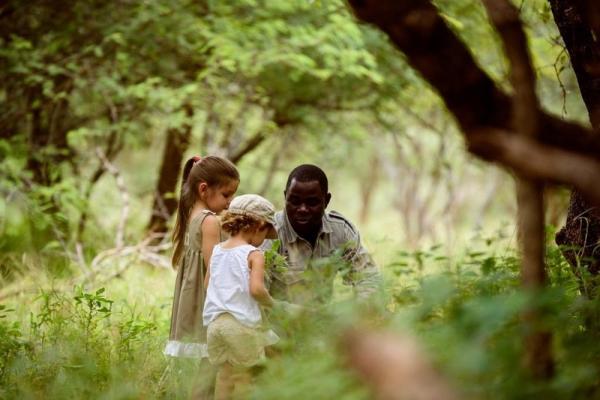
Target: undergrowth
[101,344]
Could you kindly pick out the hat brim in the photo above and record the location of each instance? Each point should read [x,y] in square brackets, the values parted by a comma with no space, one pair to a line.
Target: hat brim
[272,234]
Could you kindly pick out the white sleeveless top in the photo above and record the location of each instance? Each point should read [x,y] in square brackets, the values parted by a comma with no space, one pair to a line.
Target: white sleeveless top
[229,286]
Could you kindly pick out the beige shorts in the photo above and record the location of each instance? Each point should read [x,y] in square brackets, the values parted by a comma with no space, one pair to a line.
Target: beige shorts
[231,341]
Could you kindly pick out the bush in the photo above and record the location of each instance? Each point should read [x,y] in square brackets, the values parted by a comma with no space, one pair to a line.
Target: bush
[465,310]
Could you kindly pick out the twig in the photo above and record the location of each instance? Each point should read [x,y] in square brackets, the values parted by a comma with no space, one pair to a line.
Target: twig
[80,257]
[126,256]
[561,84]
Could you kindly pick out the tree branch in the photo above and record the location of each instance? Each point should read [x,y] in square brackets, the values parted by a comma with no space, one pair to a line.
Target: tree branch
[417,29]
[112,149]
[247,147]
[573,19]
[533,159]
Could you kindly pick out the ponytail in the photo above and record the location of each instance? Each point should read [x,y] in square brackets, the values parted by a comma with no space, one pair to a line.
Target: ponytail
[212,170]
[186,202]
[188,167]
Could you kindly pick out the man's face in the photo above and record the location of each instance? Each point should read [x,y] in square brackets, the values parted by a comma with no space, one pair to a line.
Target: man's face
[305,204]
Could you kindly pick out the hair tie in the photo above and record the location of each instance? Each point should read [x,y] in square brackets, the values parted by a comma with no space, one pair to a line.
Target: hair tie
[196,159]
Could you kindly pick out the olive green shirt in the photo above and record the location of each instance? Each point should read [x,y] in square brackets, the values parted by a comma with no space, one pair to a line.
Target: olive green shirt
[311,270]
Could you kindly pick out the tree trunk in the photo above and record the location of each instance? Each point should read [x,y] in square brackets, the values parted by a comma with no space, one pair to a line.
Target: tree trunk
[508,129]
[580,236]
[526,122]
[277,155]
[47,149]
[579,241]
[584,52]
[113,146]
[48,135]
[537,342]
[165,199]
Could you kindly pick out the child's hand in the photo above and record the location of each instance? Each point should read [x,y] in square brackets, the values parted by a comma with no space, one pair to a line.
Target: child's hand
[274,262]
[289,309]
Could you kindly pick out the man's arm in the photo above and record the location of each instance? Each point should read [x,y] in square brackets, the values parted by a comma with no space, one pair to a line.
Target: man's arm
[363,274]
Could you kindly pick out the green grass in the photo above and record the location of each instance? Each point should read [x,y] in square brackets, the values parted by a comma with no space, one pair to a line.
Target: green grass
[106,342]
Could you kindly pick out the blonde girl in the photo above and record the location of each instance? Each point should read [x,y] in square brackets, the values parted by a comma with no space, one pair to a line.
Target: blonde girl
[207,187]
[236,289]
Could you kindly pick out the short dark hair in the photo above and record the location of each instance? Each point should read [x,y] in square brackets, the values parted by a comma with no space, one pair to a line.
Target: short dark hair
[307,173]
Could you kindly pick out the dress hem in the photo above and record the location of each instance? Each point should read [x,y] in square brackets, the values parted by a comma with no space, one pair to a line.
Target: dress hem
[175,348]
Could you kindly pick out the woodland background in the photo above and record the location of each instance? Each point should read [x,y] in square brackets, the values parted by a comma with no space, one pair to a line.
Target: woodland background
[102,102]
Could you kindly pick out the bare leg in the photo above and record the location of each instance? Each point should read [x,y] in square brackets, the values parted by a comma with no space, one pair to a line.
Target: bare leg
[242,379]
[225,383]
[204,387]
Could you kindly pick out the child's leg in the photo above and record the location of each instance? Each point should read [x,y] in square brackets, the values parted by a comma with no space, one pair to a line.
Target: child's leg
[204,385]
[178,383]
[232,382]
[224,384]
[242,378]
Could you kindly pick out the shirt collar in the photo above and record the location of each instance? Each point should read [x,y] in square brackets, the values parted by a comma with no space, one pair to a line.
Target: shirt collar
[326,227]
[291,235]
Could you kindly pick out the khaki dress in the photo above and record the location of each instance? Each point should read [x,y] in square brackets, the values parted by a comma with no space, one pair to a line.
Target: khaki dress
[188,335]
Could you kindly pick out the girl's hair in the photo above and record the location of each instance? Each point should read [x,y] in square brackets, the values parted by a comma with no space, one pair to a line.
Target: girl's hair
[233,223]
[212,170]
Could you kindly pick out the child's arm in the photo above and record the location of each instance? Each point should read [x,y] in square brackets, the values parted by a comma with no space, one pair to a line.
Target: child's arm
[256,263]
[211,230]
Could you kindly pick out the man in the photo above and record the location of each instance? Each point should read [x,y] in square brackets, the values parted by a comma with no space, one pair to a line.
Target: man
[318,244]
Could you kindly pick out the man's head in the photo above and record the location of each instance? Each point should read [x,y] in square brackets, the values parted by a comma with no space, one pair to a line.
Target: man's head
[306,197]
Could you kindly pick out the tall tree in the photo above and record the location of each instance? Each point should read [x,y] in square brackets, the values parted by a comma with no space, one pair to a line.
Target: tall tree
[511,130]
[165,202]
[86,75]
[577,22]
[283,65]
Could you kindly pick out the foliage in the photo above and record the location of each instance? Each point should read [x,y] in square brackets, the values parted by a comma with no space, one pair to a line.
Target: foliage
[464,309]
[470,316]
[274,262]
[115,78]
[296,77]
[313,86]
[11,343]
[80,346]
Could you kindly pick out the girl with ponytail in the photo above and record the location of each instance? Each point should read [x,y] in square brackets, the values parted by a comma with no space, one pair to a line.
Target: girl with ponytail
[207,187]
